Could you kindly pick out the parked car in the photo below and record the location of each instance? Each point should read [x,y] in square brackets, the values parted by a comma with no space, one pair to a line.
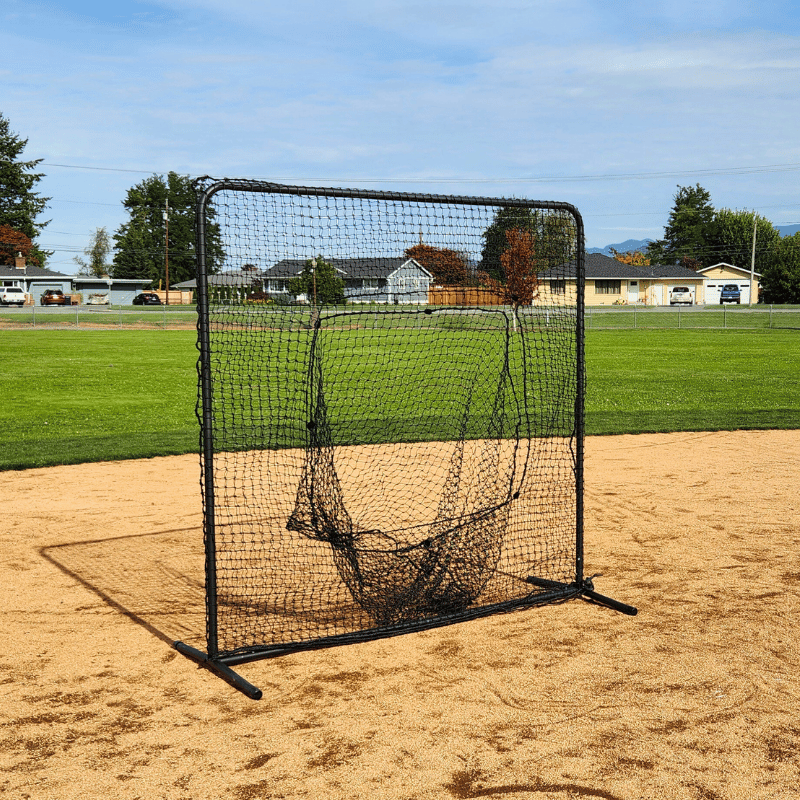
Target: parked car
[147,299]
[680,295]
[12,295]
[54,297]
[730,293]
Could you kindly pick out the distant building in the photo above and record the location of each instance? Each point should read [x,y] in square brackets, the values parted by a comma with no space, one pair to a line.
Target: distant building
[722,274]
[34,281]
[610,282]
[366,280]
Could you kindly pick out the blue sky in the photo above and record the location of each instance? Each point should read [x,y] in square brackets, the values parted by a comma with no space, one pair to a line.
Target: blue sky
[607,105]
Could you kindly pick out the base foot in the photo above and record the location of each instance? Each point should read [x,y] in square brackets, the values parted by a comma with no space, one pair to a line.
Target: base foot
[220,670]
[590,595]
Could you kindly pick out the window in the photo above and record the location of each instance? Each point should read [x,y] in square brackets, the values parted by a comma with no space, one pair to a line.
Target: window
[607,287]
[558,287]
[370,283]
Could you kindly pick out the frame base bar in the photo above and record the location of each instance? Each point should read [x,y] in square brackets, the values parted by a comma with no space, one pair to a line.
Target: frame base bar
[591,596]
[220,670]
[601,600]
[587,592]
[555,592]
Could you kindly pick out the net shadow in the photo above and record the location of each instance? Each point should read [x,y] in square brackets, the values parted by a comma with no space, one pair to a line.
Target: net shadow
[155,579]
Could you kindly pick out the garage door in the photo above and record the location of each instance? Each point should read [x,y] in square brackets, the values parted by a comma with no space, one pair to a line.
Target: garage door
[712,293]
[713,290]
[744,288]
[37,290]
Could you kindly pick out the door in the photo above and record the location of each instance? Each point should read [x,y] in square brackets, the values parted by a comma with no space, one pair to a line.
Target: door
[633,292]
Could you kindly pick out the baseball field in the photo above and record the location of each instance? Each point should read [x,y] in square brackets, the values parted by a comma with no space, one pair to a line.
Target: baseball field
[696,697]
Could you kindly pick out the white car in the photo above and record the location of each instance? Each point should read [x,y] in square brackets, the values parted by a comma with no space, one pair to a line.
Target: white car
[680,295]
[12,295]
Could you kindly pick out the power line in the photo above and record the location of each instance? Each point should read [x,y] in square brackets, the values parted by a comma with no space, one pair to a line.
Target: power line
[751,170]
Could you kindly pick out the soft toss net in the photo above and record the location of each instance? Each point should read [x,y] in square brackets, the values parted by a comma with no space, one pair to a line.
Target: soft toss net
[391,409]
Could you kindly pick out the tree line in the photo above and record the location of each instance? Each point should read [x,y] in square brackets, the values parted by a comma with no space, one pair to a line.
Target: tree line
[141,246]
[697,235]
[518,244]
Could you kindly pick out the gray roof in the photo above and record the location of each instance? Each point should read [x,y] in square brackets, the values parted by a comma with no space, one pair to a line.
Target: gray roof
[30,271]
[599,267]
[233,277]
[348,268]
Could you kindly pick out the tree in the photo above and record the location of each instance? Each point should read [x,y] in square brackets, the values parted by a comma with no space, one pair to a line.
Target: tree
[447,266]
[632,257]
[140,242]
[319,282]
[97,255]
[518,263]
[495,240]
[20,205]
[780,279]
[730,239]
[11,243]
[554,239]
[685,234]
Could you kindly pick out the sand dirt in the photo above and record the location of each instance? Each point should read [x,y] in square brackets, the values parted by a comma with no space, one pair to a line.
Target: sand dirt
[696,697]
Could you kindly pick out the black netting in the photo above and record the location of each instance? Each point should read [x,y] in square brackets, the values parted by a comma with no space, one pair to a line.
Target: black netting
[407,454]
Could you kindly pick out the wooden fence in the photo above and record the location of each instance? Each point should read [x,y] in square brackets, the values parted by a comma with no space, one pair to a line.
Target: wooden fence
[464,296]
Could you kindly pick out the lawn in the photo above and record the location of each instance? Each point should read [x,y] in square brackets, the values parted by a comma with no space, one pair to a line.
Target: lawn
[72,396]
[675,380]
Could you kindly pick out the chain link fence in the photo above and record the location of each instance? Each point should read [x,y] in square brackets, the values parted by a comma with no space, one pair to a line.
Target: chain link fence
[94,317]
[761,317]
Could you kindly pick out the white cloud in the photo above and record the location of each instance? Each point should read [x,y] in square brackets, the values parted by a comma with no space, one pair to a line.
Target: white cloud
[395,89]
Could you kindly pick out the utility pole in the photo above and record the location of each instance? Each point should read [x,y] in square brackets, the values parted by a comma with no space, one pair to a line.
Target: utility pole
[753,259]
[315,308]
[166,246]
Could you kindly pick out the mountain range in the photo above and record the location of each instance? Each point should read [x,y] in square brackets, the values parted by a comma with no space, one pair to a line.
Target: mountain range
[630,245]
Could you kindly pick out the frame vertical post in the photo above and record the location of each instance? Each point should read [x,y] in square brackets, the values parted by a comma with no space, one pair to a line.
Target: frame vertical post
[207,437]
[580,379]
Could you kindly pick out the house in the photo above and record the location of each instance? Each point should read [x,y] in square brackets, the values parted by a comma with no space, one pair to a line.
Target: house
[116,291]
[722,274]
[610,282]
[34,281]
[366,280]
[248,277]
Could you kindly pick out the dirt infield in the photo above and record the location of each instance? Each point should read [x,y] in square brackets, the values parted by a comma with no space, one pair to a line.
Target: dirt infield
[697,697]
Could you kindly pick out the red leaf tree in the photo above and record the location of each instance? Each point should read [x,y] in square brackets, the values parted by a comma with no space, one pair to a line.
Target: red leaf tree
[447,266]
[517,260]
[13,242]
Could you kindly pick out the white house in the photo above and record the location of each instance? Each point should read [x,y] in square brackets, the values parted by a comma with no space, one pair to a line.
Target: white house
[366,280]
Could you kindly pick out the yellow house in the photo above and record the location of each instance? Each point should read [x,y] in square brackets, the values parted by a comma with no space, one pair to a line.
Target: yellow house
[722,274]
[610,282]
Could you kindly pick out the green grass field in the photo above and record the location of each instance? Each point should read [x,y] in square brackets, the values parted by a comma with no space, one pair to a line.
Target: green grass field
[73,396]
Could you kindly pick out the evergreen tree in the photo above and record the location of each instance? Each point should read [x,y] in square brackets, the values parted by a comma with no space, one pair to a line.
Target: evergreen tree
[20,205]
[687,229]
[140,242]
[319,282]
[553,237]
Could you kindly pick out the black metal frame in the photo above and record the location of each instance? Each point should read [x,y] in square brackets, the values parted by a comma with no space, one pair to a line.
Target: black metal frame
[553,591]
